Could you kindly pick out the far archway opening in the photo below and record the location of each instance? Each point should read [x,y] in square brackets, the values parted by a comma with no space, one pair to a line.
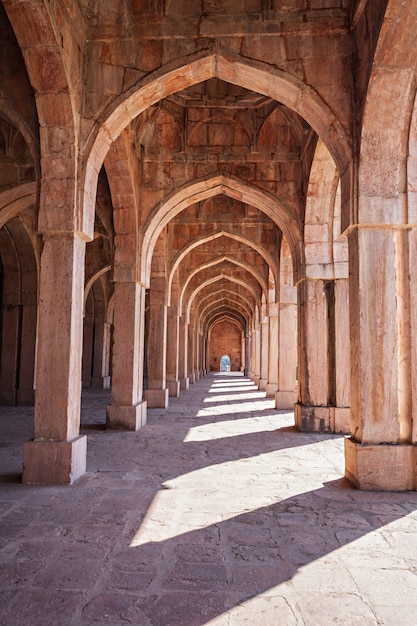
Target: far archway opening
[225,365]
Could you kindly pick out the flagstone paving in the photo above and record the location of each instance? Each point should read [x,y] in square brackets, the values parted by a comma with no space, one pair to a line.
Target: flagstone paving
[216,512]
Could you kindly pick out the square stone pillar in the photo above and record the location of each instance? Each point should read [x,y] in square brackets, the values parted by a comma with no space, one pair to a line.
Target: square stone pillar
[172,380]
[157,393]
[380,453]
[127,410]
[285,397]
[312,411]
[264,352]
[272,386]
[57,454]
[183,355]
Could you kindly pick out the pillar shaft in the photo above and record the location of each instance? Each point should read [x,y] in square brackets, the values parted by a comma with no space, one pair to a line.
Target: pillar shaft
[127,409]
[57,454]
[381,261]
[272,386]
[172,351]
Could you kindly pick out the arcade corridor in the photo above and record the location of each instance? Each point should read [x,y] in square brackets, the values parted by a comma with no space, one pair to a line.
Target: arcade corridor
[216,512]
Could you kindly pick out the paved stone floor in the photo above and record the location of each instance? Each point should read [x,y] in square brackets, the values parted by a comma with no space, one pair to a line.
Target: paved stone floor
[217,512]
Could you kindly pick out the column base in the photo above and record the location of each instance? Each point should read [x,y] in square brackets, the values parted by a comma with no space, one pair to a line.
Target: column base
[262,383]
[256,380]
[322,419]
[54,462]
[173,388]
[192,379]
[271,390]
[184,384]
[126,417]
[313,419]
[285,400]
[381,467]
[157,398]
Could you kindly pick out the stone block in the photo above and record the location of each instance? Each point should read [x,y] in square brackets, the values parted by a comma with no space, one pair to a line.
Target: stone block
[384,467]
[126,417]
[184,384]
[54,462]
[271,390]
[313,419]
[157,398]
[285,400]
[173,388]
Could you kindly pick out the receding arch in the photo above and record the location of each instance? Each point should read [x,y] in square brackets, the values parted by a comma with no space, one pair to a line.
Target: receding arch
[206,188]
[225,65]
[218,261]
[215,279]
[202,239]
[14,201]
[92,279]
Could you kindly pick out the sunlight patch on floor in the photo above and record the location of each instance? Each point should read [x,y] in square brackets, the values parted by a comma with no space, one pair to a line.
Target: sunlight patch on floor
[230,428]
[223,491]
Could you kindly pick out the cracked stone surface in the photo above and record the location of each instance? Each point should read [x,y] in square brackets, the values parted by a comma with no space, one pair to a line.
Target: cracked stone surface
[217,512]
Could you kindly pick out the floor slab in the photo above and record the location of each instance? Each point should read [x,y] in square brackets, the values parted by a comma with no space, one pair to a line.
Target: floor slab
[216,512]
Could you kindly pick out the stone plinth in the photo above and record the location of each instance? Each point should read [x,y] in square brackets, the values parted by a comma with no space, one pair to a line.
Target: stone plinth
[322,419]
[126,417]
[285,400]
[313,419]
[173,388]
[184,384]
[157,398]
[262,384]
[54,462]
[383,467]
[271,389]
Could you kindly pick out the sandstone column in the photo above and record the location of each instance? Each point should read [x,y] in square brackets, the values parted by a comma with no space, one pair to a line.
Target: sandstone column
[272,386]
[342,357]
[312,412]
[256,337]
[379,453]
[57,454]
[264,358]
[183,354]
[127,410]
[157,393]
[173,384]
[191,368]
[285,397]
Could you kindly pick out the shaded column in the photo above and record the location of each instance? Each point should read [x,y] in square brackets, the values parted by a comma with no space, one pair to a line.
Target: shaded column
[312,410]
[264,353]
[57,454]
[183,354]
[342,357]
[286,396]
[127,410]
[272,386]
[157,393]
[9,355]
[191,367]
[256,337]
[379,453]
[172,381]
[100,376]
